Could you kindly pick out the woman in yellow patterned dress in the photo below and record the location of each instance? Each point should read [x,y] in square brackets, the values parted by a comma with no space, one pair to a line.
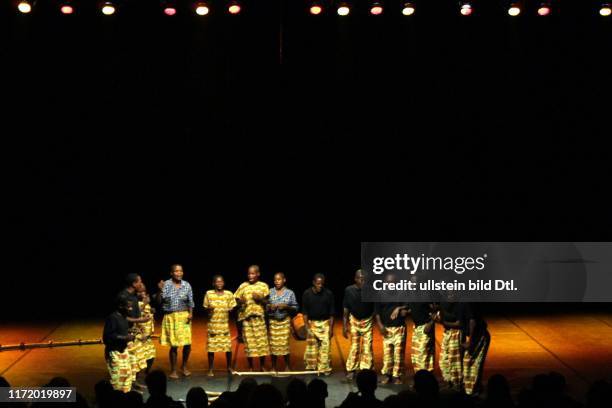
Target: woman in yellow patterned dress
[146,329]
[219,303]
[252,297]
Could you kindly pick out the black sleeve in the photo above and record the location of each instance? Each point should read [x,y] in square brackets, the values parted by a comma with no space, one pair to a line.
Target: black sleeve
[377,308]
[346,301]
[468,312]
[305,303]
[110,329]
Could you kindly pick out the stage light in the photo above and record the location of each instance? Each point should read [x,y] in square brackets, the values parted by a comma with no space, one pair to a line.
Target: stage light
[202,9]
[343,9]
[466,9]
[376,9]
[544,9]
[169,10]
[408,9]
[234,8]
[67,9]
[605,10]
[108,9]
[24,7]
[315,9]
[514,9]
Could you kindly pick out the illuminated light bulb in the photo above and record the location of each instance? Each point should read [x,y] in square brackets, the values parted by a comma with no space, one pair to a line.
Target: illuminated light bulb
[408,9]
[108,9]
[466,10]
[202,9]
[315,10]
[344,11]
[25,7]
[514,10]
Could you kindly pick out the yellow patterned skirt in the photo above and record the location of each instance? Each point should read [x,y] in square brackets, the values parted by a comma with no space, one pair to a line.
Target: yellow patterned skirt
[120,370]
[280,331]
[394,345]
[255,336]
[148,349]
[450,357]
[219,340]
[176,332]
[360,353]
[423,348]
[136,352]
[318,347]
[473,363]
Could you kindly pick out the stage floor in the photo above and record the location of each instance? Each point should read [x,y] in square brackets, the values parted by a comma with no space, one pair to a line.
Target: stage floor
[578,346]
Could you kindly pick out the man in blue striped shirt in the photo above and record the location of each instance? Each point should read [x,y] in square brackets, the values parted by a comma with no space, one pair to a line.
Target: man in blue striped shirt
[176,298]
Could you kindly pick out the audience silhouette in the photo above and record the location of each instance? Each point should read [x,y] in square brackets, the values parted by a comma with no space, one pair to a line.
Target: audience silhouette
[546,390]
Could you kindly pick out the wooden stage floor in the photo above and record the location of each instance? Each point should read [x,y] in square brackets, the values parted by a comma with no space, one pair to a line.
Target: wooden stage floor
[579,346]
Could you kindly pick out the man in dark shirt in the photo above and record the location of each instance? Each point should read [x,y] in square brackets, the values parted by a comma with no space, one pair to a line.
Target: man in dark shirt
[475,345]
[358,315]
[450,347]
[423,337]
[133,284]
[318,311]
[391,320]
[116,337]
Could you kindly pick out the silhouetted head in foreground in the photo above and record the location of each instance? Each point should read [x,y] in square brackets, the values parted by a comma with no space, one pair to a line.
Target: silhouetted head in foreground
[157,383]
[426,385]
[317,391]
[297,392]
[196,398]
[367,381]
[266,396]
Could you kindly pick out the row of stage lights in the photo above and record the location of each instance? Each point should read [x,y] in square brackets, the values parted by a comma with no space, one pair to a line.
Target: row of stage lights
[343,8]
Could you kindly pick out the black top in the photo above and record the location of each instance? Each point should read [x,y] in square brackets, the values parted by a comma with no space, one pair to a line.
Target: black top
[133,298]
[420,312]
[318,306]
[448,311]
[352,302]
[115,325]
[466,312]
[463,313]
[384,310]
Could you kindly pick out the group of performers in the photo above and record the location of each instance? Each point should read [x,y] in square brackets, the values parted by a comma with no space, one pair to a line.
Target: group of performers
[463,349]
[129,348]
[264,320]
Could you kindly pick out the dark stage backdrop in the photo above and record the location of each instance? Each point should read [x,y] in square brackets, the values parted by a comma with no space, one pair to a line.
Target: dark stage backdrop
[283,139]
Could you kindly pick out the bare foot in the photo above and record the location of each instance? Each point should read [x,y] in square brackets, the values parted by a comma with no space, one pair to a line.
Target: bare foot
[173,375]
[186,372]
[287,368]
[211,373]
[264,369]
[397,381]
[385,380]
[350,375]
